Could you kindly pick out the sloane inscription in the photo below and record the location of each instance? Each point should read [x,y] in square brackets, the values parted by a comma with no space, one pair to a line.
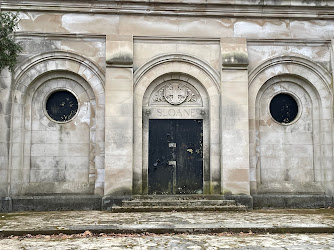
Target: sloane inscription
[175,112]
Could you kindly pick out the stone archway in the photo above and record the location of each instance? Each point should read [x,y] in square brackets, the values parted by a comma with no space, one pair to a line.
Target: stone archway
[309,83]
[42,75]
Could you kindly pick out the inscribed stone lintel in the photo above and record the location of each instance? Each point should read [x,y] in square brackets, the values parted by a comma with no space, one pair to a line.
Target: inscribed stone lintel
[176,113]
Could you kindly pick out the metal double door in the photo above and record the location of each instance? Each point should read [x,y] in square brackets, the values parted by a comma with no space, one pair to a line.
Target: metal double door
[175,156]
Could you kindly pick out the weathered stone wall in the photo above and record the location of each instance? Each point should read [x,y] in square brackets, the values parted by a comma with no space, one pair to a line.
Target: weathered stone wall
[236,54]
[287,152]
[89,46]
[317,50]
[48,157]
[59,152]
[296,157]
[256,28]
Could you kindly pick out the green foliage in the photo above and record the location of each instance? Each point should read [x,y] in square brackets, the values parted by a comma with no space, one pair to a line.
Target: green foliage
[9,49]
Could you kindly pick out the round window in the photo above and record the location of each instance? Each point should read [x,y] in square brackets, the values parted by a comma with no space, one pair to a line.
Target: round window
[283,108]
[61,106]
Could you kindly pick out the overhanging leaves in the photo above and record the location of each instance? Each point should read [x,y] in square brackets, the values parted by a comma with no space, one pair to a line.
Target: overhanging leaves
[9,49]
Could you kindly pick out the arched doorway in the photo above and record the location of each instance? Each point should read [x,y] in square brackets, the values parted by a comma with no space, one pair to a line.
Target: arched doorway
[201,79]
[175,131]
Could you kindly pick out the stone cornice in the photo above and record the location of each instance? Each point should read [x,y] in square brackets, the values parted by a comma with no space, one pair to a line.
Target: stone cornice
[287,42]
[320,9]
[257,42]
[26,34]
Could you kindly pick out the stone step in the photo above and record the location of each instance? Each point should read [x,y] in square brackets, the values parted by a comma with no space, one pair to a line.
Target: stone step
[178,197]
[118,209]
[168,203]
[177,203]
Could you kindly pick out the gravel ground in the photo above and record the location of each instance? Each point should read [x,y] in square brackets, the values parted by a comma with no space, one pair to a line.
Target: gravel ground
[182,241]
[30,221]
[253,218]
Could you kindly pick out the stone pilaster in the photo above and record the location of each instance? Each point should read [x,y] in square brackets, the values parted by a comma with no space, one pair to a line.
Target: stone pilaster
[234,117]
[5,108]
[119,115]
[329,171]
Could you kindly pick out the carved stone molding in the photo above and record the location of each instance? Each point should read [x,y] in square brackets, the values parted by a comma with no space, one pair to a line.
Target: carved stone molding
[175,93]
[316,71]
[218,8]
[176,58]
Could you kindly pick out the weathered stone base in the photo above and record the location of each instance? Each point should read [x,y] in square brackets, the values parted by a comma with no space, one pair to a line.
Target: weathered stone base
[4,204]
[246,200]
[93,202]
[109,201]
[50,203]
[292,201]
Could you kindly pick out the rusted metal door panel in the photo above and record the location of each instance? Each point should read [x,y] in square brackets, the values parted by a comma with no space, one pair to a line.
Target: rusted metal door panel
[189,156]
[160,172]
[175,157]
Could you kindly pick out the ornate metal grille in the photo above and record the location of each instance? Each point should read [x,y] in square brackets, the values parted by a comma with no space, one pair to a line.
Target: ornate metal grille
[62,106]
[283,108]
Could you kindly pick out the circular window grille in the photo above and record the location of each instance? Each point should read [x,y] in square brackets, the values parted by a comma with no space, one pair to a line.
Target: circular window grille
[283,108]
[62,106]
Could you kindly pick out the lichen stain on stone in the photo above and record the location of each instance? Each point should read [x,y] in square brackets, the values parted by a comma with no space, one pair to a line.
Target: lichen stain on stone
[206,27]
[52,124]
[262,28]
[38,46]
[89,49]
[121,191]
[3,85]
[315,28]
[144,25]
[315,2]
[235,58]
[287,175]
[120,58]
[43,23]
[70,126]
[269,122]
[227,192]
[90,23]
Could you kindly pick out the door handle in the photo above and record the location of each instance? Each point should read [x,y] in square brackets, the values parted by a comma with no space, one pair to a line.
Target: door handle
[172,163]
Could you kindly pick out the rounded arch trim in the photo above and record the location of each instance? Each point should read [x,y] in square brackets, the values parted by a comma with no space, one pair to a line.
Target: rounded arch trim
[176,57]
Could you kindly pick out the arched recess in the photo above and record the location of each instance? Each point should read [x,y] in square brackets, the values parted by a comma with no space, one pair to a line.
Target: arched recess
[34,80]
[311,85]
[188,69]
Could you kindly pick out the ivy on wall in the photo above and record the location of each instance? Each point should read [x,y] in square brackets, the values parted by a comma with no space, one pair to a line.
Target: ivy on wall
[9,49]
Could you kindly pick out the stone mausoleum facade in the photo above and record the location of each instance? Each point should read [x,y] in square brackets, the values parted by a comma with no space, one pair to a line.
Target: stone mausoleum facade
[111,99]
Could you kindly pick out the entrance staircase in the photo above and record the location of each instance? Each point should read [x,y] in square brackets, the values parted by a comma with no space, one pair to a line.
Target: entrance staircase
[179,203]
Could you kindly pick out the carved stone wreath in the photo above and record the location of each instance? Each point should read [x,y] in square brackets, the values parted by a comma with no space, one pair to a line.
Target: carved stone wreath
[175,93]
